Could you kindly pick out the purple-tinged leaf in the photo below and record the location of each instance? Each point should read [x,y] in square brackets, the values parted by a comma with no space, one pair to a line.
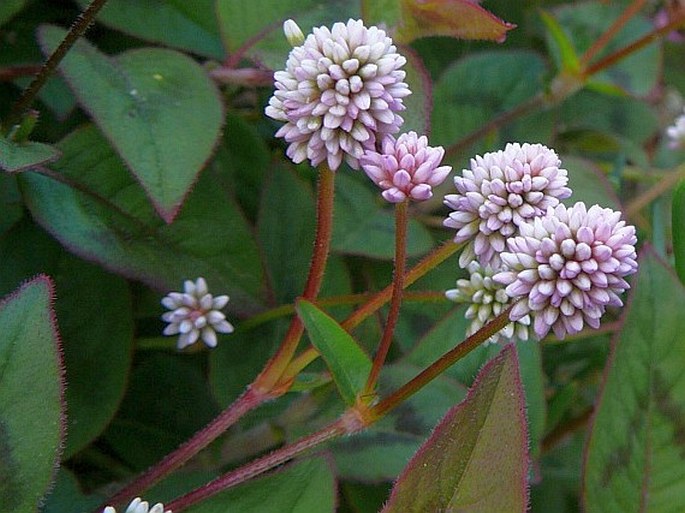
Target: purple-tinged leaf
[157,107]
[476,460]
[31,396]
[635,454]
[463,19]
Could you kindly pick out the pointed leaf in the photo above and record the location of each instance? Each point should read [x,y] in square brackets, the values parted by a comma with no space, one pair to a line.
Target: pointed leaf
[463,19]
[635,458]
[476,460]
[561,45]
[16,157]
[305,487]
[348,364]
[31,403]
[108,220]
[172,111]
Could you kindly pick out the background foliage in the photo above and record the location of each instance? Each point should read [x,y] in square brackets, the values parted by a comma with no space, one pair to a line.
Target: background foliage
[152,163]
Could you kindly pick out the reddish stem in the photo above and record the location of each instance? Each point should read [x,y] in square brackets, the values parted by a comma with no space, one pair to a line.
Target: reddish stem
[10,73]
[395,301]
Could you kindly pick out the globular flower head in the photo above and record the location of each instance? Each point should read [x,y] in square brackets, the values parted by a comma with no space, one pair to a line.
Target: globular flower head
[486,299]
[195,314]
[500,192]
[139,506]
[405,167]
[676,133]
[340,92]
[568,266]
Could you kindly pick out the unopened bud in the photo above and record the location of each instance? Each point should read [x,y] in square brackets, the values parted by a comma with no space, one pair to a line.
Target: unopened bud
[293,33]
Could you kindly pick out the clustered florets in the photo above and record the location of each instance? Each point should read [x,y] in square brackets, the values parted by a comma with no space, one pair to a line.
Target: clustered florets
[405,167]
[486,299]
[561,266]
[501,191]
[340,93]
[139,506]
[195,314]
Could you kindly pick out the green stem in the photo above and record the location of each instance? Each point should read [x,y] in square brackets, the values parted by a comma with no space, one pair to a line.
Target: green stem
[29,95]
[396,299]
[440,365]
[429,262]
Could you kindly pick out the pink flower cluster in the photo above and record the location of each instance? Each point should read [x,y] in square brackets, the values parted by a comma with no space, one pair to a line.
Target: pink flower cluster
[561,266]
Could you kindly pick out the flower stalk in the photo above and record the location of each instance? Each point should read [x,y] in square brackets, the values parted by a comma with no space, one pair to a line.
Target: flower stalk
[396,298]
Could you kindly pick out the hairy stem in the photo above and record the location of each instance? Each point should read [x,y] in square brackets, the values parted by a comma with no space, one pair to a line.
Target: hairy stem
[270,376]
[396,299]
[29,95]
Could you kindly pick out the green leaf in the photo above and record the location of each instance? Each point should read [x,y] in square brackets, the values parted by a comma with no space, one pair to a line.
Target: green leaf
[16,157]
[96,324]
[10,201]
[31,403]
[304,487]
[476,88]
[678,229]
[588,183]
[109,221]
[635,458]
[463,19]
[67,497]
[172,110]
[362,227]
[189,26]
[476,459]
[286,231]
[348,364]
[561,45]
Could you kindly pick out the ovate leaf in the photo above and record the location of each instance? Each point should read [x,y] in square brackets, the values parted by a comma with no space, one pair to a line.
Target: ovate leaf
[16,157]
[108,220]
[173,113]
[31,403]
[635,459]
[476,460]
[463,19]
[348,364]
[304,487]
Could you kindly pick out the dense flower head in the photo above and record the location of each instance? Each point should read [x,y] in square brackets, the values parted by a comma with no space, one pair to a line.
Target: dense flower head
[405,167]
[340,92]
[500,192]
[676,133]
[195,314]
[568,266]
[486,299]
[139,506]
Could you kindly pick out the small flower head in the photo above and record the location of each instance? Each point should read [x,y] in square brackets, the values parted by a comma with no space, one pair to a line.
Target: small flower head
[341,90]
[567,266]
[139,506]
[486,299]
[405,167]
[195,314]
[676,133]
[501,191]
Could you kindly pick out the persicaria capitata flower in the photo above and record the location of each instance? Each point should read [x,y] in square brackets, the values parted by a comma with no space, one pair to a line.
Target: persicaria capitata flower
[568,266]
[486,299]
[340,92]
[405,167]
[500,192]
[676,133]
[139,506]
[195,314]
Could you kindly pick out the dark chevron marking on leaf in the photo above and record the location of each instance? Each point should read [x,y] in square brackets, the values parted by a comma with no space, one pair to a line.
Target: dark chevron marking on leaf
[670,409]
[9,469]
